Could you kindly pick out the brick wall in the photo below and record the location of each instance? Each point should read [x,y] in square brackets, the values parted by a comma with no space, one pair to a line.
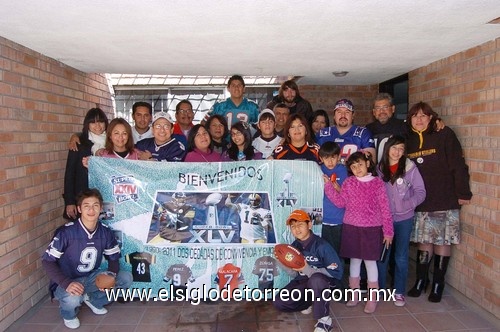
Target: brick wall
[41,102]
[464,89]
[325,97]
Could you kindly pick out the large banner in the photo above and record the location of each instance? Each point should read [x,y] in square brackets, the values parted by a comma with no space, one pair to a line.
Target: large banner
[214,224]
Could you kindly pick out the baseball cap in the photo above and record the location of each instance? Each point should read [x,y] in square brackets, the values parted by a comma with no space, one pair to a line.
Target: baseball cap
[265,111]
[162,115]
[346,103]
[298,215]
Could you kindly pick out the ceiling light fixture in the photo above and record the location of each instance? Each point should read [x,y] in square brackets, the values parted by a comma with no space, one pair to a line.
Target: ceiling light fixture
[340,73]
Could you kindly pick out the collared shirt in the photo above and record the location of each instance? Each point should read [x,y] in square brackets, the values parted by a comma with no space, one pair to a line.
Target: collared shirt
[137,137]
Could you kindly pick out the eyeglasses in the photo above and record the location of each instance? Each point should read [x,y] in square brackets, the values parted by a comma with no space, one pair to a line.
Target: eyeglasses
[382,108]
[189,112]
[165,126]
[236,134]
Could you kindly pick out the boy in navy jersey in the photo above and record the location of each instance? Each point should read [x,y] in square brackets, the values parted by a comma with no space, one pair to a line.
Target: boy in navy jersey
[322,271]
[73,258]
[334,171]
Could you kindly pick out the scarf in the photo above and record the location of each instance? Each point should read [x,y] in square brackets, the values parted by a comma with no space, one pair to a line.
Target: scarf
[98,140]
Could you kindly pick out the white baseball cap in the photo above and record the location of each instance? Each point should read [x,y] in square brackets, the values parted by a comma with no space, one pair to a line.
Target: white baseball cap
[162,115]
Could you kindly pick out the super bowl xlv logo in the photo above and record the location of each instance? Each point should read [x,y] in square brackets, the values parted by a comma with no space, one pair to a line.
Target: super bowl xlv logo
[125,188]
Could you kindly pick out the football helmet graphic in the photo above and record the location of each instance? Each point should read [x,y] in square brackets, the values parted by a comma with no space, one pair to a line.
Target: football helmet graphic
[254,200]
[179,196]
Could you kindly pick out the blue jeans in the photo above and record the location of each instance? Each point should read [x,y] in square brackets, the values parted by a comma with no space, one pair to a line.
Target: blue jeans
[69,305]
[401,245]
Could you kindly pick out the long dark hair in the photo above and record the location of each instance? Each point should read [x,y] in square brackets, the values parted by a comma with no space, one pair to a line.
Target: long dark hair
[93,115]
[322,113]
[248,149]
[192,134]
[385,166]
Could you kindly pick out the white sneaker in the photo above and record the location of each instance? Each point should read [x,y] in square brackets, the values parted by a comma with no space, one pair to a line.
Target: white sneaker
[72,323]
[324,324]
[307,311]
[95,310]
[399,300]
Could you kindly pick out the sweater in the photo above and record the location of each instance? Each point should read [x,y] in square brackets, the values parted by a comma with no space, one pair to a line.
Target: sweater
[405,193]
[440,160]
[366,203]
[320,257]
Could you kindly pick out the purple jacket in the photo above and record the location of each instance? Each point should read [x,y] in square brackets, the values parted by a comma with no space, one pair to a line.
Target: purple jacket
[406,193]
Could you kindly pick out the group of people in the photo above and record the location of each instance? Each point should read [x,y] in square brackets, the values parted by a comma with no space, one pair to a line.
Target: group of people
[385,184]
[413,193]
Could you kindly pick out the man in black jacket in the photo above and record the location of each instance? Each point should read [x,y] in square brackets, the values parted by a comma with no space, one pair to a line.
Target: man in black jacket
[289,95]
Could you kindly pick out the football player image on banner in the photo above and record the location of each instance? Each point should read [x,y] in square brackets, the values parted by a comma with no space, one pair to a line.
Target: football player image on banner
[255,221]
[181,224]
[199,217]
[172,218]
[140,262]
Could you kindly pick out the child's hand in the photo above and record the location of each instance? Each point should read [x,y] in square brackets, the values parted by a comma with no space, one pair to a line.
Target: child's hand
[325,178]
[387,241]
[301,269]
[336,186]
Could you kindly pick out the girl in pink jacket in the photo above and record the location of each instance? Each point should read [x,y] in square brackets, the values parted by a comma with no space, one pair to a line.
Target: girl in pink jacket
[367,223]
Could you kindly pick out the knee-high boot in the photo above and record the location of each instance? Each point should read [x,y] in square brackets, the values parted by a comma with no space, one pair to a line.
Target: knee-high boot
[423,262]
[440,268]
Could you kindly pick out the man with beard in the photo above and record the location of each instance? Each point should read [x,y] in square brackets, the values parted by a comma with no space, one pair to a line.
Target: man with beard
[289,95]
[351,138]
[385,124]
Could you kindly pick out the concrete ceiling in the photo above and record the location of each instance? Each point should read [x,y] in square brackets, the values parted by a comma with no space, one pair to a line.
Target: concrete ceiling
[374,40]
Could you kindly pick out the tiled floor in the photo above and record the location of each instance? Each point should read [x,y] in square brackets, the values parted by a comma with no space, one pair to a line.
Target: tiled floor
[417,315]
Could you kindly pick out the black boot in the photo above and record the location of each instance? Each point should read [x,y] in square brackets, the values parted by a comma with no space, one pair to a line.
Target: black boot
[423,262]
[440,267]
